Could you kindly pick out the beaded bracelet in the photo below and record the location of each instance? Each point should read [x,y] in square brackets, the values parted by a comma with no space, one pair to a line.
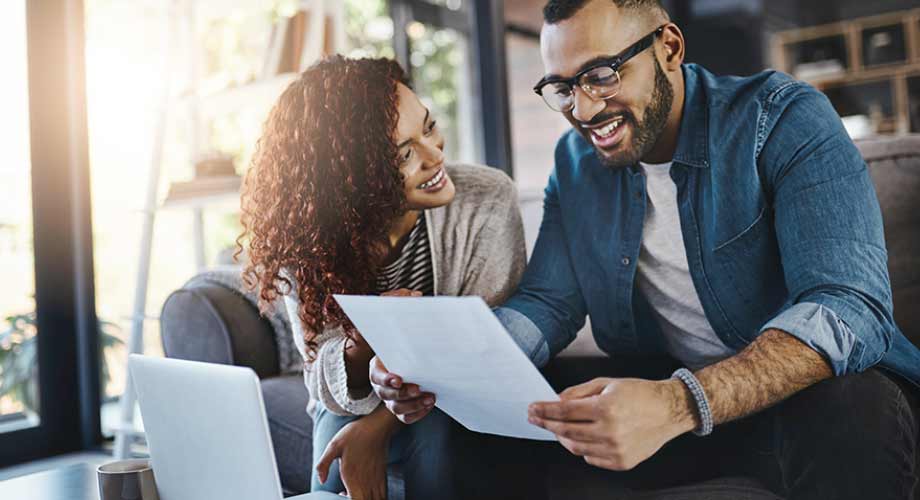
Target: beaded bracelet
[699,396]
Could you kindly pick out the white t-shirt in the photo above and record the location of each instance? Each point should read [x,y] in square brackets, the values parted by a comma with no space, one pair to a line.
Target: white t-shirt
[664,277]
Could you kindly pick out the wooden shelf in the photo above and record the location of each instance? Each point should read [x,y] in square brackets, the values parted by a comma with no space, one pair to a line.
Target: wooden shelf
[201,192]
[896,37]
[260,93]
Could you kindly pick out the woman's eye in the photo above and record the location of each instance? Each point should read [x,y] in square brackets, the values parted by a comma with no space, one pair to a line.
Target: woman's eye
[431,127]
[407,155]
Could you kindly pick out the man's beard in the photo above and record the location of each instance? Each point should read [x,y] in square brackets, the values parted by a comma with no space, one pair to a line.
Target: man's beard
[647,132]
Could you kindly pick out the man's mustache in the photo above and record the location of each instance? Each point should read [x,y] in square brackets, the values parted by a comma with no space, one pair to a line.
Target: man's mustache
[597,120]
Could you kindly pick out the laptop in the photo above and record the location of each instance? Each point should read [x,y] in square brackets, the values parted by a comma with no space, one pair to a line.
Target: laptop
[207,431]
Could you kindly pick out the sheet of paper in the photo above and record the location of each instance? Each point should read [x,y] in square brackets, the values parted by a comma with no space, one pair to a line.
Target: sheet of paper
[457,349]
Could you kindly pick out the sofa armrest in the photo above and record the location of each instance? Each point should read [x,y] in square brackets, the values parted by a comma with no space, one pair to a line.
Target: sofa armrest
[213,323]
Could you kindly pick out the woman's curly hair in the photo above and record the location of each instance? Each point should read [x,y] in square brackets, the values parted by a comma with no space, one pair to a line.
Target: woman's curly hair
[323,189]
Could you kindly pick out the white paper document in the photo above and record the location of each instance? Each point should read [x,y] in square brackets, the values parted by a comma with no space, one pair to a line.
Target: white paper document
[455,348]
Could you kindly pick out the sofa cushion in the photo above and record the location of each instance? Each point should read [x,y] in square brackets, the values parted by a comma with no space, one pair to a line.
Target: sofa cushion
[894,164]
[230,278]
[729,488]
[212,323]
[291,430]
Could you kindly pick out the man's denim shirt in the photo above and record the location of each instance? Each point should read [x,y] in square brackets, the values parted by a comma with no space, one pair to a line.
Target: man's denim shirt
[780,221]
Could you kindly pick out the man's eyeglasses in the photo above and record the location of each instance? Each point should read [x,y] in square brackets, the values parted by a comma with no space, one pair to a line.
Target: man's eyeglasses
[600,81]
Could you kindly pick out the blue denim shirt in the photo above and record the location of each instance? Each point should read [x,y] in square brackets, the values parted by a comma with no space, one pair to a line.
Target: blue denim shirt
[778,215]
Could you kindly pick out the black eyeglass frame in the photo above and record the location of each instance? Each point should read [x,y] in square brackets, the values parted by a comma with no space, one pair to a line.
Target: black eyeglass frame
[614,63]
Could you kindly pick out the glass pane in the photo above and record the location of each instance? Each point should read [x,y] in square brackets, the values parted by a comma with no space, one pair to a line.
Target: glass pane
[442,80]
[19,402]
[368,28]
[117,78]
[450,4]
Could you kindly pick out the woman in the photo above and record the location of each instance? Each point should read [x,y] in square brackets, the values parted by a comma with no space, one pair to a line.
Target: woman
[349,193]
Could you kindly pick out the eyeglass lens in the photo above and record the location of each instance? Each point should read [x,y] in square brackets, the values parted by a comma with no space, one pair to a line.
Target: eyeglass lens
[602,82]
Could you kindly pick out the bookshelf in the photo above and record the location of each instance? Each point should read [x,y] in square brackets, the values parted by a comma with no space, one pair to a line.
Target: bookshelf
[867,66]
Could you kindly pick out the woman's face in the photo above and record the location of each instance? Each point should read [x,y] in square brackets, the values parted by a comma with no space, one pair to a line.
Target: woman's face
[421,153]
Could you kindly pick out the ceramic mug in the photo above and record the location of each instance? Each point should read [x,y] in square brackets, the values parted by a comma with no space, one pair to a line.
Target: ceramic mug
[127,480]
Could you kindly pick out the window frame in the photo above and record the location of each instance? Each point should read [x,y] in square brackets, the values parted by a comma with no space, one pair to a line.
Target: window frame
[483,23]
[67,338]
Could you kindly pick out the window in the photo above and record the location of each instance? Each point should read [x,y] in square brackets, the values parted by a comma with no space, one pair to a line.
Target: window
[48,370]
[19,384]
[369,28]
[534,127]
[123,93]
[124,90]
[438,60]
[450,4]
[433,42]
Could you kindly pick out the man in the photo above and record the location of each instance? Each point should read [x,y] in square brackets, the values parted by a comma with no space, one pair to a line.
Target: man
[726,223]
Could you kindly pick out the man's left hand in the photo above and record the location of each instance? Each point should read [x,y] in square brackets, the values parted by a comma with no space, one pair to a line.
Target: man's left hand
[617,424]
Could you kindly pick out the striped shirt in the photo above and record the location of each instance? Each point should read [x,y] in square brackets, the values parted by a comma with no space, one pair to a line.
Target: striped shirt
[413,268]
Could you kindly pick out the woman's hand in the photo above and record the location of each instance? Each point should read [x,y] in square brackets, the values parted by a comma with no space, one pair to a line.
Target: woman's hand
[406,401]
[362,446]
[358,353]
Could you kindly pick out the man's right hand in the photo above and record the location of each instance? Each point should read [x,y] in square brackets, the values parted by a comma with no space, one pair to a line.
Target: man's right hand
[406,401]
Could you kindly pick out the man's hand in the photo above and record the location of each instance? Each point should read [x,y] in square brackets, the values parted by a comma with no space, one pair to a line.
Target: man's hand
[362,446]
[617,423]
[402,292]
[406,401]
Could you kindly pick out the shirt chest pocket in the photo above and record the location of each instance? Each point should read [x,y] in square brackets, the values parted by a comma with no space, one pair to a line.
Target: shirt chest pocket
[750,274]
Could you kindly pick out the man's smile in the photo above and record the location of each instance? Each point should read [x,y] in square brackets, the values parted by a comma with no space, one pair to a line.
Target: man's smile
[609,133]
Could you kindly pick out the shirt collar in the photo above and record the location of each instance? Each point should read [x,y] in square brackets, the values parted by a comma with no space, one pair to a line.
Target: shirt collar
[693,138]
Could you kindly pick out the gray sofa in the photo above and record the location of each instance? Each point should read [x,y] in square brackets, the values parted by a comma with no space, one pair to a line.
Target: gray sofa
[209,320]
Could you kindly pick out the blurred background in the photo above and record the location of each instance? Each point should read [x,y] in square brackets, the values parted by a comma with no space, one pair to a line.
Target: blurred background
[176,91]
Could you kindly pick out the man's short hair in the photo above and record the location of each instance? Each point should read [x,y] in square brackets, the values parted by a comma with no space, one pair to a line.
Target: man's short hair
[560,10]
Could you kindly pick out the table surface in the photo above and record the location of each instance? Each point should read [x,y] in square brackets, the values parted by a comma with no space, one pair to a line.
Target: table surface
[78,482]
[75,482]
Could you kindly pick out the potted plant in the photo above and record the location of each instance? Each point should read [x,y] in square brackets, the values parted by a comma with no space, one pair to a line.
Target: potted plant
[19,358]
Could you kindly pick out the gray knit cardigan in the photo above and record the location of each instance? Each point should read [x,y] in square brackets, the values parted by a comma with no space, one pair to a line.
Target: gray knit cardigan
[477,248]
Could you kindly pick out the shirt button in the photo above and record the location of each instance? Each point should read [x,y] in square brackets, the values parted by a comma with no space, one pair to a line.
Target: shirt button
[625,261]
[638,195]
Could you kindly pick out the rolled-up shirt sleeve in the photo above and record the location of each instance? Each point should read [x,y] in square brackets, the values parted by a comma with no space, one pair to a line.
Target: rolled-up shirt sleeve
[525,334]
[821,329]
[830,235]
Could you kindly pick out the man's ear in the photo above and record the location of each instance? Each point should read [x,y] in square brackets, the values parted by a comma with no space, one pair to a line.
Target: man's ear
[674,49]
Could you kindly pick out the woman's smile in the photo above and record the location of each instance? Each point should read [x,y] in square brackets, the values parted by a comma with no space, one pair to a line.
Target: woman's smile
[436,182]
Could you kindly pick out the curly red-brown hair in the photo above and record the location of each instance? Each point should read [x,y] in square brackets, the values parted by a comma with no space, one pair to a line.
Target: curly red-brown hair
[323,189]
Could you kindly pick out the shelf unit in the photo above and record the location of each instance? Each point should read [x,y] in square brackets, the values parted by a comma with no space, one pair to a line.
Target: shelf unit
[867,66]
